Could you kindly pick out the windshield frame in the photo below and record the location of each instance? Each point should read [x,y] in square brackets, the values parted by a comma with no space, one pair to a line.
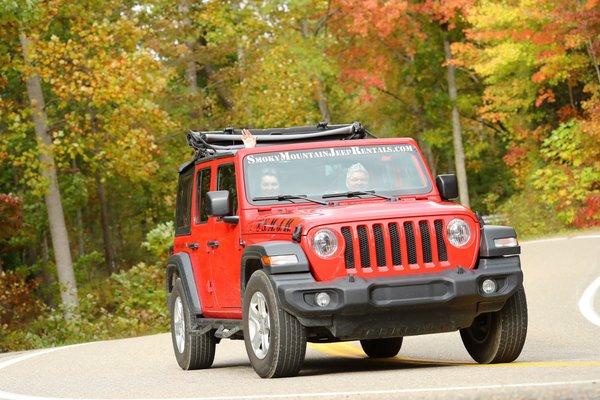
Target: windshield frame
[430,189]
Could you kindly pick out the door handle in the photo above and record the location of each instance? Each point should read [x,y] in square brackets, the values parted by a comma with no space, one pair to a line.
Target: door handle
[213,243]
[193,246]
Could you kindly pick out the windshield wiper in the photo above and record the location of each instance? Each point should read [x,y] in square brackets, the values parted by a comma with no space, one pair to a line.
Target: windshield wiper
[356,193]
[289,197]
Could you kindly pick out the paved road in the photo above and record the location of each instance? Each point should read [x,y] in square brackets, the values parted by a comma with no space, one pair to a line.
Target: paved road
[561,358]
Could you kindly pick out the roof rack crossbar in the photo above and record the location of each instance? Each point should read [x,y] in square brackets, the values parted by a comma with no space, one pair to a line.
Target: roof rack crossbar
[210,143]
[219,137]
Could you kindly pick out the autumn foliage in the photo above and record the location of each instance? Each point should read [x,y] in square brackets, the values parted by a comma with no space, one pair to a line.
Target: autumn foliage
[539,61]
[10,215]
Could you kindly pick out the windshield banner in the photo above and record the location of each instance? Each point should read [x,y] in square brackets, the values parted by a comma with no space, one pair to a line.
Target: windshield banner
[285,156]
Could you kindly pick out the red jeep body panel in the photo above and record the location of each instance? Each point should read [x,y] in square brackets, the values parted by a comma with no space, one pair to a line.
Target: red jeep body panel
[366,221]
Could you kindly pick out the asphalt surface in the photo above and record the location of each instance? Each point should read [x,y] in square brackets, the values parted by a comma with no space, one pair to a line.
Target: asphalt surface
[561,358]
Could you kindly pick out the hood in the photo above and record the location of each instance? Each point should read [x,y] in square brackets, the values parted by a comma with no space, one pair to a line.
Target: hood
[285,219]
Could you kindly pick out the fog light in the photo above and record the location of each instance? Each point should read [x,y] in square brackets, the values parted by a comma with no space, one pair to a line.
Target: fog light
[322,299]
[488,286]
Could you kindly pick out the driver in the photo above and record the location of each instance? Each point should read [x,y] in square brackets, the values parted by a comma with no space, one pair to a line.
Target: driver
[269,184]
[357,177]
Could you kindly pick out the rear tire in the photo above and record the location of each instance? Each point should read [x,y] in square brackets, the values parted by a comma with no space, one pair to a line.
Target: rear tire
[498,337]
[381,348]
[280,351]
[192,351]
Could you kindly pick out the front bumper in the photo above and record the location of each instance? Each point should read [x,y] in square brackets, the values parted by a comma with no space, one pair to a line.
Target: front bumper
[400,305]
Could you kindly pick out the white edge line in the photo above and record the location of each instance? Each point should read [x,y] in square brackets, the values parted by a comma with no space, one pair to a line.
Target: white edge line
[587,236]
[556,239]
[544,240]
[17,396]
[586,303]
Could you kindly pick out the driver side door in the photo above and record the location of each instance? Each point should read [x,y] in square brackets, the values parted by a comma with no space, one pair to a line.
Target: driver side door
[226,248]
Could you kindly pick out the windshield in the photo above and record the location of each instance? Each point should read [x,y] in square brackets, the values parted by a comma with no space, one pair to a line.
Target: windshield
[385,169]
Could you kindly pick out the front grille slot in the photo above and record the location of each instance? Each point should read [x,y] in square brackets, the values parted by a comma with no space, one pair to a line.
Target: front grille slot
[379,245]
[363,242]
[425,241]
[439,235]
[349,247]
[395,241]
[390,239]
[410,242]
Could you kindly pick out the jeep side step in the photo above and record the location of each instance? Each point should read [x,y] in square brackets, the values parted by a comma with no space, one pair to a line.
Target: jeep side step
[224,328]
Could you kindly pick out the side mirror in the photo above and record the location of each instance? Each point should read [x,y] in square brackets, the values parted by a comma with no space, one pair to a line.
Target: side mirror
[217,203]
[447,186]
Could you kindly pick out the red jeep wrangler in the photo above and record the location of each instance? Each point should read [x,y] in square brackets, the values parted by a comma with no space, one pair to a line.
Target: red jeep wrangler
[327,234]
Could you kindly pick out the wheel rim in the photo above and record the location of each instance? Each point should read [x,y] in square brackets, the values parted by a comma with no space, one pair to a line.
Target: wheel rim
[481,327]
[179,325]
[259,325]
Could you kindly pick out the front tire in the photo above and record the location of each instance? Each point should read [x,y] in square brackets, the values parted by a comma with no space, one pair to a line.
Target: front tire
[381,348]
[192,351]
[275,340]
[498,337]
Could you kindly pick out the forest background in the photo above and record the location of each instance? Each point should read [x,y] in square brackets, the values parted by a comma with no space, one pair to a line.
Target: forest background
[96,97]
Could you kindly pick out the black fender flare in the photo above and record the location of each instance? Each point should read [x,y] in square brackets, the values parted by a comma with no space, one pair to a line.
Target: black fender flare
[487,245]
[253,255]
[182,263]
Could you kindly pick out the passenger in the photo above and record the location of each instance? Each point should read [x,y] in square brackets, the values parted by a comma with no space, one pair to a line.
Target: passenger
[357,177]
[248,139]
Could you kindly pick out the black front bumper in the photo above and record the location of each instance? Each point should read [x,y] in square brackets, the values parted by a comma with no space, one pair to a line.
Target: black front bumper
[401,305]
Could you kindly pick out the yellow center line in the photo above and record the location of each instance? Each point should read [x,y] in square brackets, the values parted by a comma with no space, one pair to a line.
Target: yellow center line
[341,349]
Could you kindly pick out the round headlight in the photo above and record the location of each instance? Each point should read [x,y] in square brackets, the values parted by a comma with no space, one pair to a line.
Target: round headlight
[458,232]
[325,243]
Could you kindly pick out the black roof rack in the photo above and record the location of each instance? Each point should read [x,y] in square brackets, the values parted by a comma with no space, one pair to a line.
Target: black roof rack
[230,139]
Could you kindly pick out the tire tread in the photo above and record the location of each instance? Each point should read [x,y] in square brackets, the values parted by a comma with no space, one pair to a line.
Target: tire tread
[507,336]
[199,352]
[289,350]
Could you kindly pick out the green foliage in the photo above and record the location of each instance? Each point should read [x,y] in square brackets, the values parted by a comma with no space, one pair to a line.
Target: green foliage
[159,239]
[130,303]
[572,171]
[89,267]
[530,216]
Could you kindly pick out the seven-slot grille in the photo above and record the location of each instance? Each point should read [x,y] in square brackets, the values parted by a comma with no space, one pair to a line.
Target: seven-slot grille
[422,241]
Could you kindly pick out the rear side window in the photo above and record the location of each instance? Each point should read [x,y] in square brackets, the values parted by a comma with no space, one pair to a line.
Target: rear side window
[226,181]
[203,186]
[183,212]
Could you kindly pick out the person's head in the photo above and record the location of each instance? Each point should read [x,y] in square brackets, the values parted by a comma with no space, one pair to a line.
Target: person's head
[269,184]
[357,177]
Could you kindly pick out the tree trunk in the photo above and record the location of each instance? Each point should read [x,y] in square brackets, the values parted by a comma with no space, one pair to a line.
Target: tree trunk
[80,232]
[590,50]
[323,103]
[459,151]
[46,276]
[109,252]
[428,154]
[321,96]
[191,69]
[222,95]
[191,72]
[422,124]
[56,217]
[78,219]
